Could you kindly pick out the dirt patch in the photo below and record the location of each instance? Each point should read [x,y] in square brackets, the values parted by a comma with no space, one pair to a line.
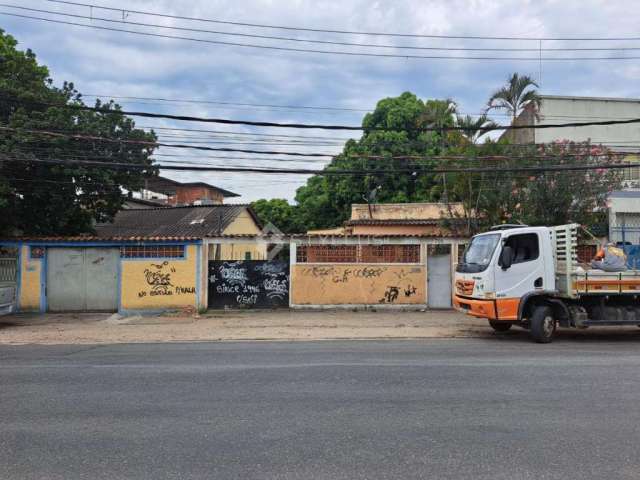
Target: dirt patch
[236,325]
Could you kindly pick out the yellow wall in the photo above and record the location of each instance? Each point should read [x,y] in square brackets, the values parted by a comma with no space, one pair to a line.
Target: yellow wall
[358,284]
[30,270]
[152,284]
[242,225]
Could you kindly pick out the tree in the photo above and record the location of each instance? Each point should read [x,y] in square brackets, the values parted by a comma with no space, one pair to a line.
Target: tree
[518,93]
[537,198]
[397,127]
[44,187]
[580,196]
[280,213]
[474,128]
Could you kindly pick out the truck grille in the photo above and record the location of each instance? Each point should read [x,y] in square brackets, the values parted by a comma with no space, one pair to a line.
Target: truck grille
[465,287]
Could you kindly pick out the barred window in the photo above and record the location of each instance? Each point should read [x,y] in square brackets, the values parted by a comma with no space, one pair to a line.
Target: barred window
[390,254]
[358,254]
[327,254]
[152,251]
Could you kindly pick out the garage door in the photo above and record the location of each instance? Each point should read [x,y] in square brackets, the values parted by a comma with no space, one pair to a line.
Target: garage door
[82,279]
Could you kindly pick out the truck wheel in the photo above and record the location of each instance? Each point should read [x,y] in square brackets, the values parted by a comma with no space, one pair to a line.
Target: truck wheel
[543,325]
[500,326]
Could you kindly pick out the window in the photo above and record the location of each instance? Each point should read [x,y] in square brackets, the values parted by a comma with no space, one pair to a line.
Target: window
[36,252]
[152,251]
[477,256]
[525,247]
[247,255]
[389,253]
[326,254]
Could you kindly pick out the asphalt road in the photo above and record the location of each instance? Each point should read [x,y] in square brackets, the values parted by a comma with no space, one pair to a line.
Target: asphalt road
[498,408]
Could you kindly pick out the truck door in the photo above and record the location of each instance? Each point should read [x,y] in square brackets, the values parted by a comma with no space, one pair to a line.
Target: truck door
[525,274]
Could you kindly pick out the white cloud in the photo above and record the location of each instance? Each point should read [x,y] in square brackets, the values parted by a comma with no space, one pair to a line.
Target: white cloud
[129,65]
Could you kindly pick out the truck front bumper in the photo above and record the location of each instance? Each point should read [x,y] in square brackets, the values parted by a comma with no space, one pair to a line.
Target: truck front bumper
[477,308]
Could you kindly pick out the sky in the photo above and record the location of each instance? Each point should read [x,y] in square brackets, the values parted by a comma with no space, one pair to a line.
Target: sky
[115,64]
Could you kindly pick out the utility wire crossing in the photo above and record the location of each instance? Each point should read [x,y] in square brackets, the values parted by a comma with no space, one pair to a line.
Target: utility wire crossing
[226,121]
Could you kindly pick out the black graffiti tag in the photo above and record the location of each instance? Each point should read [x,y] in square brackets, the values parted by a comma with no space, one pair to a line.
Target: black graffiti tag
[410,290]
[390,295]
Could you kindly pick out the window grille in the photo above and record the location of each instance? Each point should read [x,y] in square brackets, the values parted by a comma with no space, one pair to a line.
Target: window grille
[152,251]
[358,253]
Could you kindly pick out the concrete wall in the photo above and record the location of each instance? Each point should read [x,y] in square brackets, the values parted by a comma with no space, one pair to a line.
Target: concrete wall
[187,195]
[390,230]
[567,109]
[358,284]
[145,284]
[153,284]
[405,211]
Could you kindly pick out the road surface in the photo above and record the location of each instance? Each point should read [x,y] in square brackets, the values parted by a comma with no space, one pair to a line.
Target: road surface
[498,408]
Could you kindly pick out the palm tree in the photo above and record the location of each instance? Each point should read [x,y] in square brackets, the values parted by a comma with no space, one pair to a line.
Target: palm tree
[515,96]
[438,113]
[473,128]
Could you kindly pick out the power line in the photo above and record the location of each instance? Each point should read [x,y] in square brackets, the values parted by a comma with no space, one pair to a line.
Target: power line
[348,32]
[167,145]
[366,156]
[216,102]
[316,41]
[326,52]
[331,172]
[226,121]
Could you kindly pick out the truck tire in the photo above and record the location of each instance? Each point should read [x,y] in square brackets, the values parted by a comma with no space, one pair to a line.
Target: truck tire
[543,325]
[499,326]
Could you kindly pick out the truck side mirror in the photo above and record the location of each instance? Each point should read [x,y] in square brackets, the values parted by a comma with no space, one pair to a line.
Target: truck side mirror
[506,257]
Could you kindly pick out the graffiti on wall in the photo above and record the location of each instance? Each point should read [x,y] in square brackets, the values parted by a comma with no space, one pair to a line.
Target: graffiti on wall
[358,284]
[251,283]
[158,281]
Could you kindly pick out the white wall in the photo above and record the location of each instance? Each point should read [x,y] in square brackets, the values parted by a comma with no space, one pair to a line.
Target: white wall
[586,109]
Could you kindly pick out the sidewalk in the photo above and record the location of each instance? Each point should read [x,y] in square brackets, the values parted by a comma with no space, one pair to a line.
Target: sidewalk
[92,328]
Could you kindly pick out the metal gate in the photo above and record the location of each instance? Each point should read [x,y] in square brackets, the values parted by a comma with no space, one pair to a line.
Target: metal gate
[439,276]
[248,284]
[82,279]
[8,279]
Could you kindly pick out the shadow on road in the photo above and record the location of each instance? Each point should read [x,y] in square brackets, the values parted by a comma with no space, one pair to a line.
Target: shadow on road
[590,335]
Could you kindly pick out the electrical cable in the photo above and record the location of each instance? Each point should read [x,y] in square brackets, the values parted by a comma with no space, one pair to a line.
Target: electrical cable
[326,52]
[385,34]
[316,126]
[316,41]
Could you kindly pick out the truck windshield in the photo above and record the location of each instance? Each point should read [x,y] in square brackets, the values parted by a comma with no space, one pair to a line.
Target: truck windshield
[478,255]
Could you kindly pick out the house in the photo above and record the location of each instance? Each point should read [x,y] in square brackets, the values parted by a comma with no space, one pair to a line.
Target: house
[146,260]
[192,221]
[384,255]
[427,219]
[173,193]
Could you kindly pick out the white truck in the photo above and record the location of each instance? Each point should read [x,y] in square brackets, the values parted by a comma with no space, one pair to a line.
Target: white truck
[530,277]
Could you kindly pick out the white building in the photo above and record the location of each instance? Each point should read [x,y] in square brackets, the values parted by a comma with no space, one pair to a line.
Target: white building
[624,216]
[624,206]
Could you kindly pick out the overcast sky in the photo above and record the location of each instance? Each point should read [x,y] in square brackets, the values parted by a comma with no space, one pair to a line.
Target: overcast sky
[117,64]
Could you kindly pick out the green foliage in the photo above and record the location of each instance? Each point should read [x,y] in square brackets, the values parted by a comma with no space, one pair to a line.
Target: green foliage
[519,92]
[536,198]
[45,199]
[394,128]
[280,213]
